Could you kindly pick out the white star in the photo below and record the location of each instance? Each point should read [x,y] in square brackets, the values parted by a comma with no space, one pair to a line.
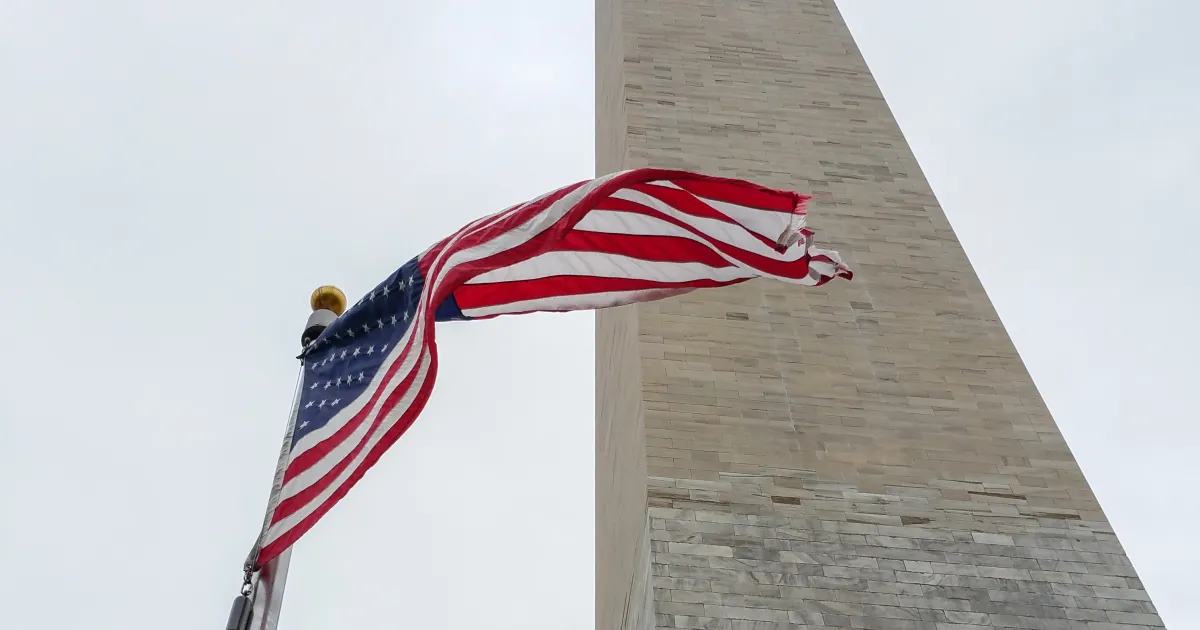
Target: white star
[343,354]
[360,377]
[370,350]
[310,403]
[366,328]
[327,384]
[386,291]
[314,385]
[338,382]
[349,333]
[335,402]
[411,281]
[357,351]
[384,348]
[371,296]
[380,322]
[405,315]
[337,335]
[393,320]
[305,423]
[321,405]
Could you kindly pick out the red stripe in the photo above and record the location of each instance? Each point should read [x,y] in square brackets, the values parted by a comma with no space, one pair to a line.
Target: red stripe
[744,194]
[658,294]
[648,247]
[492,294]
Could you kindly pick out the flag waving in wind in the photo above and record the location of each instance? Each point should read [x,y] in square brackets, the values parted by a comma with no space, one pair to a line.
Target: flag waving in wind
[628,237]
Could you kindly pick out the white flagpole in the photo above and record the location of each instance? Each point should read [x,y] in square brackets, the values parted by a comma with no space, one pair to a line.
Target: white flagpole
[261,598]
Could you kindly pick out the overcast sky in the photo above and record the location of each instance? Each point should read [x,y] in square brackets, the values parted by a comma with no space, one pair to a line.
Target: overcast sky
[175,178]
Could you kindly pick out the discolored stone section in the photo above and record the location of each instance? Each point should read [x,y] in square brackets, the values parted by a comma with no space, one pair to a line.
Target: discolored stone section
[870,454]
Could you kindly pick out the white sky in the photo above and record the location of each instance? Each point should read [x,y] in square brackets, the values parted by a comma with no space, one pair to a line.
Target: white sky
[176,177]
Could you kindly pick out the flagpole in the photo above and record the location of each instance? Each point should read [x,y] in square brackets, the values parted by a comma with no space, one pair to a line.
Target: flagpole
[260,599]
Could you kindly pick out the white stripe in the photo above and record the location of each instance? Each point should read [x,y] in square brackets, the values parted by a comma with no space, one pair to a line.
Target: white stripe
[575,302]
[604,265]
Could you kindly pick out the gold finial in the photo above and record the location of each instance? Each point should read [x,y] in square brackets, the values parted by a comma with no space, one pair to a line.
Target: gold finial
[329,298]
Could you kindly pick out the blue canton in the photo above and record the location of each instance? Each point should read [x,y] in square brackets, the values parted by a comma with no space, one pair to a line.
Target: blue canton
[340,364]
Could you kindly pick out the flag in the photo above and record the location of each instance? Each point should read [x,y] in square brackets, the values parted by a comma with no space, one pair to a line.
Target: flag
[628,237]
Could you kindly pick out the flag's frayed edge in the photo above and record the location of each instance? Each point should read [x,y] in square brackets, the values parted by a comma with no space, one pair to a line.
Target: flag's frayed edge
[796,227]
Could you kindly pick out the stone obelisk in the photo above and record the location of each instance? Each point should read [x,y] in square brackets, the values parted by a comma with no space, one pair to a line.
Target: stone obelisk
[870,454]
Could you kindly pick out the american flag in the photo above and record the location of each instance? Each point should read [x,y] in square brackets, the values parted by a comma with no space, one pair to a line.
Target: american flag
[628,237]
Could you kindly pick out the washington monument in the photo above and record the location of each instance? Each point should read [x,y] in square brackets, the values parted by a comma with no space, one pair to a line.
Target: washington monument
[871,454]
